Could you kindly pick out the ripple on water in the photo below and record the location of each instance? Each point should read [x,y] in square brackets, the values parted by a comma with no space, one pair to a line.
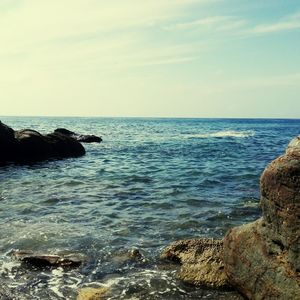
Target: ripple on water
[149,183]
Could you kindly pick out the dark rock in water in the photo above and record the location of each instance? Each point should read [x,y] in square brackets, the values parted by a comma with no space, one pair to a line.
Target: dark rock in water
[7,143]
[6,133]
[64,131]
[79,137]
[201,261]
[89,139]
[34,146]
[41,260]
[262,258]
[29,146]
[64,146]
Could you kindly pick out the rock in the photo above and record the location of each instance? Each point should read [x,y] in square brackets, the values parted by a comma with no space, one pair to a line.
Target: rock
[7,143]
[30,146]
[7,134]
[79,137]
[256,266]
[130,255]
[64,146]
[262,258]
[89,293]
[34,146]
[64,131]
[41,260]
[201,261]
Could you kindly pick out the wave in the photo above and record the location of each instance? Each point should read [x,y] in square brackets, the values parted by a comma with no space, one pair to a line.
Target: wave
[221,134]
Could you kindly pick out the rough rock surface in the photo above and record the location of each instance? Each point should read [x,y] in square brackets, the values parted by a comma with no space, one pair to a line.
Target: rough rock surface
[201,261]
[262,258]
[42,260]
[90,293]
[83,138]
[29,146]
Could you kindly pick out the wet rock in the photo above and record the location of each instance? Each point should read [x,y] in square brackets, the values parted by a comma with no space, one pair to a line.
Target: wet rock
[83,138]
[130,255]
[262,258]
[90,293]
[40,260]
[201,261]
[29,146]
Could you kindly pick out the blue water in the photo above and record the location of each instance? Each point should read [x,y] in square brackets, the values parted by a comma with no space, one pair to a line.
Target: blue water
[151,182]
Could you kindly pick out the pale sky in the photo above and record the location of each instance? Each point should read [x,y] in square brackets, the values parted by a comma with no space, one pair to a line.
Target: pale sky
[159,58]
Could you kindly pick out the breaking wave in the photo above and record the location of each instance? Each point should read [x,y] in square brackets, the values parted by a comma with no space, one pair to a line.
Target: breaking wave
[221,134]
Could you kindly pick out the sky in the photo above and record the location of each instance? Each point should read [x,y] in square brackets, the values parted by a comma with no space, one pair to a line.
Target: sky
[151,58]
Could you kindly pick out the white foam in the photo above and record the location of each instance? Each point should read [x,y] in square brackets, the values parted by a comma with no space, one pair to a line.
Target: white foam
[220,134]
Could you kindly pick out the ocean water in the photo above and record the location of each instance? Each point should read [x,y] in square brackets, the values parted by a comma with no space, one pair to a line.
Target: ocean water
[151,182]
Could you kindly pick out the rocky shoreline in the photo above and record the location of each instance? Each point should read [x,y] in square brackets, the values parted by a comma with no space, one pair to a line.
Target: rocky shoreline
[261,260]
[28,145]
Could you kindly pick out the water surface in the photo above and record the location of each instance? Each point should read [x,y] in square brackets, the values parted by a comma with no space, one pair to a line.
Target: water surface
[151,182]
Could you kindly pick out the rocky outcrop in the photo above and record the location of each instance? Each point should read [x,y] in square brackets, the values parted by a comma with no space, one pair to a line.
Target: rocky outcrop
[201,261]
[83,138]
[262,258]
[29,146]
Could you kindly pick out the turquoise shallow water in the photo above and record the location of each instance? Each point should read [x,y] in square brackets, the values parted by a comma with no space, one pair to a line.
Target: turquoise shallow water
[151,182]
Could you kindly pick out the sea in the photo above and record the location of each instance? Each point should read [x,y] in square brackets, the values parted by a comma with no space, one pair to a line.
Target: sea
[151,181]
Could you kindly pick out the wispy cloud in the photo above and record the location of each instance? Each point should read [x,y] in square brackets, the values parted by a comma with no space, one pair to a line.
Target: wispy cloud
[66,50]
[218,23]
[236,25]
[288,23]
[113,30]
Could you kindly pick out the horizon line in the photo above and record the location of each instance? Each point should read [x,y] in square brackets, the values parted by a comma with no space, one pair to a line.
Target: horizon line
[148,117]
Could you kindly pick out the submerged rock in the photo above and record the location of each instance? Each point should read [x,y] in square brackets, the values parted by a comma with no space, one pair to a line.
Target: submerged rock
[29,146]
[262,258]
[201,261]
[128,255]
[83,138]
[42,260]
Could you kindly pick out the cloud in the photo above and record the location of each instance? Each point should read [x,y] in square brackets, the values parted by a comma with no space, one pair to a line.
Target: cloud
[218,23]
[236,25]
[88,33]
[290,22]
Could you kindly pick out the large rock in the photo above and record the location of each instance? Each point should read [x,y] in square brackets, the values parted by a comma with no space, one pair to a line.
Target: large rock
[7,143]
[262,258]
[29,145]
[201,261]
[34,146]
